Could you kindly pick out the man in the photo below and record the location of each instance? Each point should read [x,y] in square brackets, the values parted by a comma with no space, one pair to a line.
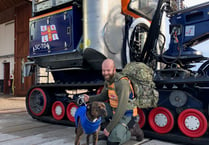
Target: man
[117,90]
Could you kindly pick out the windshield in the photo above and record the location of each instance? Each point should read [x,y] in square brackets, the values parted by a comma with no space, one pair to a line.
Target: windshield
[144,7]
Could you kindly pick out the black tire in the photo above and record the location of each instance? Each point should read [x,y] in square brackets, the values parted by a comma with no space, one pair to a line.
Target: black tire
[204,69]
[37,102]
[135,48]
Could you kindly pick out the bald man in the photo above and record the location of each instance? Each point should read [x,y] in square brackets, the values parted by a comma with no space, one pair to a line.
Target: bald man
[118,92]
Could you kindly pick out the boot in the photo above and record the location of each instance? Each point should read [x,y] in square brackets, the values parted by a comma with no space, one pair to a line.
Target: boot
[102,137]
[137,131]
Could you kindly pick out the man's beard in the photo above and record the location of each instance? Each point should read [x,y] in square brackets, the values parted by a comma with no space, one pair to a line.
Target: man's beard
[110,76]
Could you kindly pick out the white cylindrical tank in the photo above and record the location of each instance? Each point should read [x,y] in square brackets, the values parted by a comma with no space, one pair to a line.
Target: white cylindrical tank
[103,26]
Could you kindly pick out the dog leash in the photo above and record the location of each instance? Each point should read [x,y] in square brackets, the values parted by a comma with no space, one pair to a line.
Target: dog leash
[80,101]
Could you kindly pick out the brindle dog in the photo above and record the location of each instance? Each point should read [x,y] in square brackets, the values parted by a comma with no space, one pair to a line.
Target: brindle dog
[94,111]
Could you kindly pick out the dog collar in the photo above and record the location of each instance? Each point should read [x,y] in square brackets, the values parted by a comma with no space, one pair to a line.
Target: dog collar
[88,126]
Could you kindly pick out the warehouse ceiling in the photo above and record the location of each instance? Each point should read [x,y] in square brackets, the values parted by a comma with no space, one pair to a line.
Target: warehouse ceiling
[6,4]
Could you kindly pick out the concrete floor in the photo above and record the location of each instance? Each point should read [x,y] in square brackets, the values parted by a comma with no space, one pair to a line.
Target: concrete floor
[18,128]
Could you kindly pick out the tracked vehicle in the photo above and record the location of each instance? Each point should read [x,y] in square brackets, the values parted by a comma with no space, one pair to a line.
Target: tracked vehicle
[71,38]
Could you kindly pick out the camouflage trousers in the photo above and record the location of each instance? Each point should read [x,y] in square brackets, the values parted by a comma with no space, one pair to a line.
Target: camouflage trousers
[121,132]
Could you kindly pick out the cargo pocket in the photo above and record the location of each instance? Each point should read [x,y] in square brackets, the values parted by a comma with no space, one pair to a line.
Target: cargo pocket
[121,132]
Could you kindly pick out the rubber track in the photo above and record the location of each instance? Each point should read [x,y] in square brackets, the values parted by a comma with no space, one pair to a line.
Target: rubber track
[174,136]
[73,85]
[77,85]
[189,80]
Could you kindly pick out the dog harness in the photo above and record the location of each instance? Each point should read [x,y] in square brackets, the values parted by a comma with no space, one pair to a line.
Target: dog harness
[89,127]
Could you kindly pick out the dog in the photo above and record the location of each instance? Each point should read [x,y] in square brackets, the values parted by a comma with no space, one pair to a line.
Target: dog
[88,121]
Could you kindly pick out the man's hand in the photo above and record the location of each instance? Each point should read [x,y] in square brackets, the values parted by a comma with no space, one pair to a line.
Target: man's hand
[86,97]
[106,133]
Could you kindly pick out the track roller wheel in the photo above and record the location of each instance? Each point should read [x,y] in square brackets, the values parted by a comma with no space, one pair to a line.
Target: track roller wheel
[70,111]
[192,123]
[142,117]
[37,102]
[58,110]
[161,120]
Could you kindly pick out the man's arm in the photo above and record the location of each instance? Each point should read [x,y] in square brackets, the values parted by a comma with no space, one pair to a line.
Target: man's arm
[123,91]
[103,96]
